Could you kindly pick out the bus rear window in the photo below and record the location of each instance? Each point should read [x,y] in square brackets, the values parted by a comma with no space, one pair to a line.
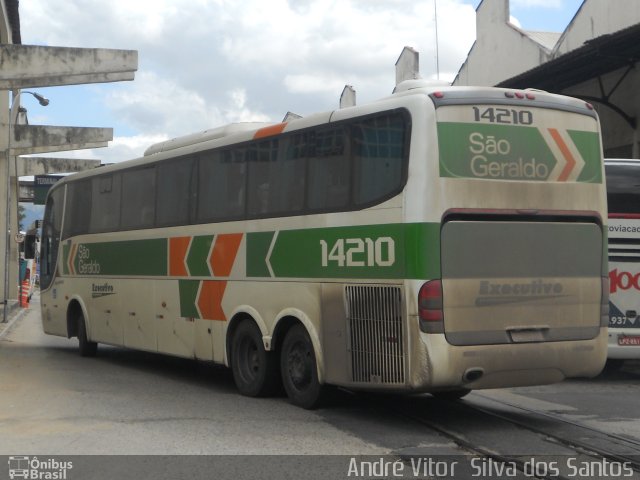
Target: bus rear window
[623,188]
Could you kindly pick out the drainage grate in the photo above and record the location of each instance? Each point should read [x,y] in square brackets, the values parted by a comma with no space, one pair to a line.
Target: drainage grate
[376,332]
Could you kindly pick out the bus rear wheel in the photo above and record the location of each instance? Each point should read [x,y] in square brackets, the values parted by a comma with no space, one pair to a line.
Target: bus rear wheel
[255,371]
[299,370]
[86,347]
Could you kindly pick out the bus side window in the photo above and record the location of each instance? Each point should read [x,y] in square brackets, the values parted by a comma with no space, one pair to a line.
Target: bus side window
[78,208]
[175,192]
[51,236]
[379,154]
[138,198]
[221,185]
[329,171]
[105,206]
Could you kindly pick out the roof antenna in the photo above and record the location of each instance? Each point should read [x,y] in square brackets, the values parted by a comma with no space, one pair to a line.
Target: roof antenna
[435,10]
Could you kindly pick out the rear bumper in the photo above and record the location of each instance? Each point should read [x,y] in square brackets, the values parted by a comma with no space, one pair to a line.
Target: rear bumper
[508,365]
[622,352]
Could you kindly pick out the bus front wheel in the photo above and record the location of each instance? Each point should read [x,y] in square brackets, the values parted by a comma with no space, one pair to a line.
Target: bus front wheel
[255,371]
[86,347]
[299,370]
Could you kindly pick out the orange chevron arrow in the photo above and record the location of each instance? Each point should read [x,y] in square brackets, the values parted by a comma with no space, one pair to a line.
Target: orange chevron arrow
[566,153]
[224,253]
[72,255]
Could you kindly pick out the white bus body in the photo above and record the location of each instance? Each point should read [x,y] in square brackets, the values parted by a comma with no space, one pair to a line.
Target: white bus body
[623,180]
[438,240]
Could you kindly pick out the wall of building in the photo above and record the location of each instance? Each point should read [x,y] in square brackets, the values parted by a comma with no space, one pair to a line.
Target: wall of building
[596,18]
[501,49]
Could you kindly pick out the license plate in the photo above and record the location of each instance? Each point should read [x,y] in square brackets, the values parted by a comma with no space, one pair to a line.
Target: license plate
[628,340]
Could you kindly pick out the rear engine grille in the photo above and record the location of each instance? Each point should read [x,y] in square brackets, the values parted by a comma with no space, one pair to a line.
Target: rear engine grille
[624,250]
[376,332]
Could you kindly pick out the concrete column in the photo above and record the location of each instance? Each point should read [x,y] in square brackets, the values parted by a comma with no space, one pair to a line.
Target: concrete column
[4,222]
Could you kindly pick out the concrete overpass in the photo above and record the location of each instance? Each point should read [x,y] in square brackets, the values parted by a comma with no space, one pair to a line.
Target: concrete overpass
[28,66]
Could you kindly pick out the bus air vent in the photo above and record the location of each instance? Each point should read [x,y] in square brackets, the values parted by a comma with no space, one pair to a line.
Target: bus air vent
[376,332]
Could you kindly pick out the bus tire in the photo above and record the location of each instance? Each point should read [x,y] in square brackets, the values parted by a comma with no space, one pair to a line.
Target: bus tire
[255,371]
[451,395]
[299,370]
[613,365]
[86,347]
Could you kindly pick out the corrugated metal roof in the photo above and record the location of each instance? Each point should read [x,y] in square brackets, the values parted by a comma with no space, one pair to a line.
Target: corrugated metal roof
[596,57]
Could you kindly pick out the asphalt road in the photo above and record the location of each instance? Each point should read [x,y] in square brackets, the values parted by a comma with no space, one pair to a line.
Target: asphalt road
[128,402]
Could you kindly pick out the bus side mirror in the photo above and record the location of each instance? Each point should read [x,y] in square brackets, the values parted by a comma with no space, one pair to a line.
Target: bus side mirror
[30,247]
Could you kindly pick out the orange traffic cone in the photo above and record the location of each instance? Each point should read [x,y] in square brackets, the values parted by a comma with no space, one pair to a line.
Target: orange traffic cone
[24,294]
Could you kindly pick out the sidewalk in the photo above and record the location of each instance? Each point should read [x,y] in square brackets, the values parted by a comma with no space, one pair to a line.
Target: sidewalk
[15,313]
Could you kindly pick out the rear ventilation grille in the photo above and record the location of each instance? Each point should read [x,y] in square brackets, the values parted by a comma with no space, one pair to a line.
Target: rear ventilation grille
[376,332]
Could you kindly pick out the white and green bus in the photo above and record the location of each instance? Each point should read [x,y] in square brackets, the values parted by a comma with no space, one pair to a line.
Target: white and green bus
[623,200]
[438,240]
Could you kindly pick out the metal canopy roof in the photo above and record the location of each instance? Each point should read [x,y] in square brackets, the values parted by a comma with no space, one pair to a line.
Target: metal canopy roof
[597,57]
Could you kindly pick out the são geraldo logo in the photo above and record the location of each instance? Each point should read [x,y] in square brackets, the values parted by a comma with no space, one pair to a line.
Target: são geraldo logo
[623,281]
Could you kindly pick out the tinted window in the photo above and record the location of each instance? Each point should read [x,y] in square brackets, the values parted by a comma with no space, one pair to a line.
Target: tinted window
[379,146]
[221,185]
[105,203]
[329,170]
[51,227]
[175,190]
[276,179]
[78,211]
[339,167]
[138,198]
[623,188]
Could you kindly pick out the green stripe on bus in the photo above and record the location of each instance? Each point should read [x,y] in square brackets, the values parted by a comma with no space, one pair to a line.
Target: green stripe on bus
[197,258]
[131,257]
[588,144]
[257,248]
[188,296]
[66,247]
[389,251]
[508,152]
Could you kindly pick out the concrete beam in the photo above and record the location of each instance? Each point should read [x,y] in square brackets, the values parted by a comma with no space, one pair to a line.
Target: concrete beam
[29,139]
[59,148]
[28,166]
[25,66]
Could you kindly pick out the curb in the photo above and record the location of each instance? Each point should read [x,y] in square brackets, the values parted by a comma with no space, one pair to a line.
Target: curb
[5,327]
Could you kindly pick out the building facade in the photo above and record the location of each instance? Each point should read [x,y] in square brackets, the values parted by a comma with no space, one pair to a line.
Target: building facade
[595,58]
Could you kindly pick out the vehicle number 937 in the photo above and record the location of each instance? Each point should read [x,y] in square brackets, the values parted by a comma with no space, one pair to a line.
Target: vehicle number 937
[617,321]
[359,252]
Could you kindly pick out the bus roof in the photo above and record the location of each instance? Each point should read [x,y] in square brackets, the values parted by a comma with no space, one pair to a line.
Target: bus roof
[441,95]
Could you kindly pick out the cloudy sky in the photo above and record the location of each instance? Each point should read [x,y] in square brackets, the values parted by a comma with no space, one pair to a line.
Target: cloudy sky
[204,63]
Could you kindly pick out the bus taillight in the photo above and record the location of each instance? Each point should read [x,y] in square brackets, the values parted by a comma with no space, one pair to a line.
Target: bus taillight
[430,306]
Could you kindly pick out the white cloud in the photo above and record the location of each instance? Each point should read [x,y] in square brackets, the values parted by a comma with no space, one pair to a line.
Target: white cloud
[203,63]
[514,21]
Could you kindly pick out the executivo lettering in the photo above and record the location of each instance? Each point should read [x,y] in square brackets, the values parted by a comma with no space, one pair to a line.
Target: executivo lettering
[493,293]
[101,290]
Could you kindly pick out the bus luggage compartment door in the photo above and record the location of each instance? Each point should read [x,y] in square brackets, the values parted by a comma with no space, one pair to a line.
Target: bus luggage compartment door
[516,281]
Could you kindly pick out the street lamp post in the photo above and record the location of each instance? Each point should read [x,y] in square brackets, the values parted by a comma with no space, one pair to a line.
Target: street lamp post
[13,115]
